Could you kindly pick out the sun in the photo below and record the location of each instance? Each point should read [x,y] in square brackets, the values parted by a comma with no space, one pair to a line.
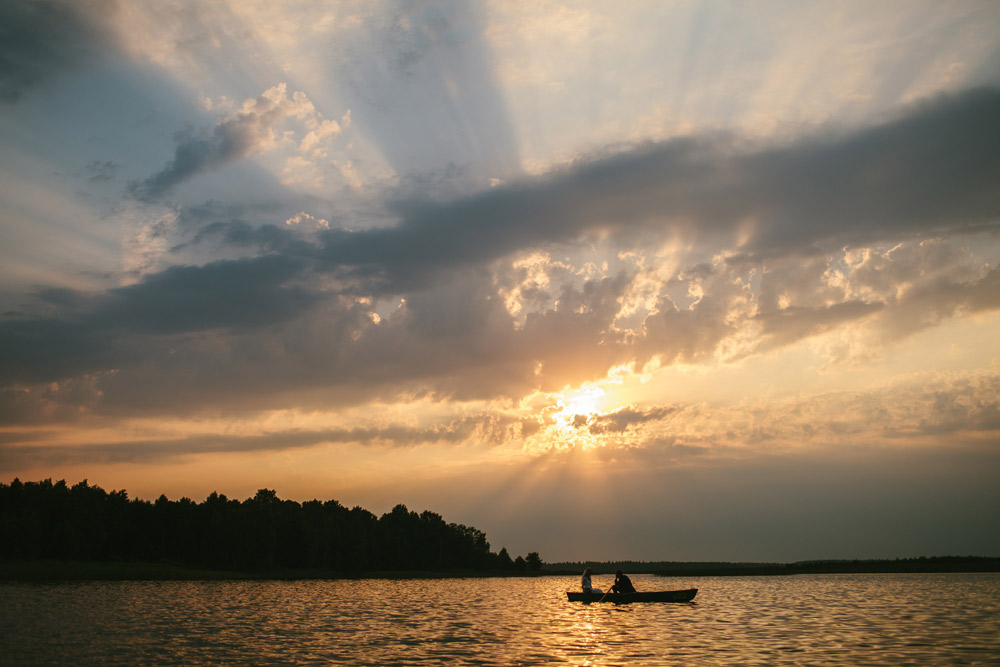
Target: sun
[584,401]
[571,417]
[573,411]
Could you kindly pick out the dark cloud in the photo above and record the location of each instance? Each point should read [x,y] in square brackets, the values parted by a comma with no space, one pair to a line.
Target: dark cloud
[795,323]
[153,450]
[296,325]
[233,138]
[489,429]
[102,172]
[984,294]
[86,333]
[619,421]
[47,403]
[40,350]
[241,234]
[927,171]
[241,294]
[196,153]
[41,39]
[934,169]
[928,305]
[243,223]
[453,342]
[689,334]
[973,406]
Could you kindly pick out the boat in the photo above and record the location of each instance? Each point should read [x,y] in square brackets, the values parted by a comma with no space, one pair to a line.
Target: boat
[642,596]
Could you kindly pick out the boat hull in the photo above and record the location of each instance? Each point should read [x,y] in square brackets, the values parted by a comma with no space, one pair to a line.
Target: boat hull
[643,596]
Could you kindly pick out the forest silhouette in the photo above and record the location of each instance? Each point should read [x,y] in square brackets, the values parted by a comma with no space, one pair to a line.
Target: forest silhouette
[46,520]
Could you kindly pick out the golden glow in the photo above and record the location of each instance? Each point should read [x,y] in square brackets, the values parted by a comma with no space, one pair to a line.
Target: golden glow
[573,412]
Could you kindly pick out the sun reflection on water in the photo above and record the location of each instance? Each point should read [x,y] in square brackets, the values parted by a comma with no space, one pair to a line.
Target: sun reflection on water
[835,620]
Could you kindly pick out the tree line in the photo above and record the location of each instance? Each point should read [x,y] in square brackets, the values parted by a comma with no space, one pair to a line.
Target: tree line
[46,520]
[833,566]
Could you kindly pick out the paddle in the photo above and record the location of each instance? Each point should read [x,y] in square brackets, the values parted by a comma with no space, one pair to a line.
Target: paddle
[605,595]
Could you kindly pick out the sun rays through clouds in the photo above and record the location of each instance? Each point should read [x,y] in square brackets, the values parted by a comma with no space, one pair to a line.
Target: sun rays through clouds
[554,261]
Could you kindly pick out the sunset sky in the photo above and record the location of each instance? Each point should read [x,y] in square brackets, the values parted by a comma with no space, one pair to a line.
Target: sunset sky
[610,280]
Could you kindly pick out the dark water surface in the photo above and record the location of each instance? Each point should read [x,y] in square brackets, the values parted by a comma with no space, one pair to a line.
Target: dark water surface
[801,620]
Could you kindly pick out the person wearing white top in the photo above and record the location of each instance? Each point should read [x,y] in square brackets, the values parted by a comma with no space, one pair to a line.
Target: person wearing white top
[585,582]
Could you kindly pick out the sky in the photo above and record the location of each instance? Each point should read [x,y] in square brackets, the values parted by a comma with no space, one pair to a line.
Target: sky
[686,280]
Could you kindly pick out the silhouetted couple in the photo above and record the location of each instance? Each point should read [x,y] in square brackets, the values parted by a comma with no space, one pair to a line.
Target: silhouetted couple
[622,584]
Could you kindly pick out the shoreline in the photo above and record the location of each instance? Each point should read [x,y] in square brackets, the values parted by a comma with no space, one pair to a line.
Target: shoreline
[922,565]
[56,570]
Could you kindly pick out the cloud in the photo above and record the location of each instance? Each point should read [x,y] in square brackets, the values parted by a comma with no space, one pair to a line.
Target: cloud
[894,292]
[90,333]
[794,323]
[916,411]
[251,130]
[144,247]
[102,172]
[48,403]
[528,286]
[240,234]
[484,428]
[932,170]
[907,416]
[621,420]
[42,39]
[238,294]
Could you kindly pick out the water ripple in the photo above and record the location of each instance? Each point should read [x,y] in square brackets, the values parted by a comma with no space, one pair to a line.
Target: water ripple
[826,619]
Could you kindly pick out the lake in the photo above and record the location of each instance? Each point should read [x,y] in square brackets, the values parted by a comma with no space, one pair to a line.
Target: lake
[906,619]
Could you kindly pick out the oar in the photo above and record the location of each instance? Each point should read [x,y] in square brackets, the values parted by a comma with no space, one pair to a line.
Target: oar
[605,595]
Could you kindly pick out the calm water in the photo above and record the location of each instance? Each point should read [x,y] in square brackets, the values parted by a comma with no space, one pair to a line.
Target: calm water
[801,620]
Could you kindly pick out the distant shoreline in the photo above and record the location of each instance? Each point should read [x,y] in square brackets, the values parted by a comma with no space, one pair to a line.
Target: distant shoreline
[57,570]
[923,565]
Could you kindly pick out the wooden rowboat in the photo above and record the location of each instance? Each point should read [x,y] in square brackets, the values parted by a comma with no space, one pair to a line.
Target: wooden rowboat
[643,596]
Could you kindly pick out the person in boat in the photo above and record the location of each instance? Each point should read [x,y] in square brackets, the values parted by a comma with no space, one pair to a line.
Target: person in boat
[622,583]
[585,583]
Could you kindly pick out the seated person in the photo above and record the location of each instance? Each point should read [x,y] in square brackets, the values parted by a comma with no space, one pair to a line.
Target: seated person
[585,582]
[622,583]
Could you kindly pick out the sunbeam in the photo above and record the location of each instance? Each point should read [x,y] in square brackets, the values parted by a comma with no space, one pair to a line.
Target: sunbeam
[549,269]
